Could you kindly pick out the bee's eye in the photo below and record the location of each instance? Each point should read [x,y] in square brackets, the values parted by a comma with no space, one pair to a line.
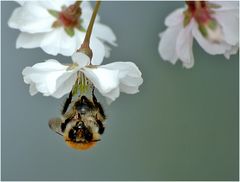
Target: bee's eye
[88,135]
[72,134]
[79,125]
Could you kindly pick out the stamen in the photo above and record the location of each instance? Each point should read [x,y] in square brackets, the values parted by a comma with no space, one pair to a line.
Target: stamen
[84,84]
[202,11]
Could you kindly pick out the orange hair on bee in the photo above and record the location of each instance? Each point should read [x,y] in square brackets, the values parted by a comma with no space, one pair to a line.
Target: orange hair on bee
[80,146]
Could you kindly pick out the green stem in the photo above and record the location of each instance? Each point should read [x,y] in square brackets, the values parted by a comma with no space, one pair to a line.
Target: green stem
[85,48]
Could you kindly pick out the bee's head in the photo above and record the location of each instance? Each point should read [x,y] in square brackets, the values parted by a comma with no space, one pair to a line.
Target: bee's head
[80,133]
[79,136]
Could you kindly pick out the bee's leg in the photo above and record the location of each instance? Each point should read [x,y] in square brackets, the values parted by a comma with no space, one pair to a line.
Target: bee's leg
[101,127]
[67,103]
[64,124]
[97,104]
[93,96]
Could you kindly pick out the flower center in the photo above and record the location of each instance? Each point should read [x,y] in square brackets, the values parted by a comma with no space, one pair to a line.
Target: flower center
[202,12]
[199,10]
[69,18]
[82,84]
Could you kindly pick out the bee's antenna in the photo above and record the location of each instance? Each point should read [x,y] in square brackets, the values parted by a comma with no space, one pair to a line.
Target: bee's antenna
[93,89]
[97,104]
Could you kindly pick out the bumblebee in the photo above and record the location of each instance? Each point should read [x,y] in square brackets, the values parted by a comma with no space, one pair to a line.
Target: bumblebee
[81,126]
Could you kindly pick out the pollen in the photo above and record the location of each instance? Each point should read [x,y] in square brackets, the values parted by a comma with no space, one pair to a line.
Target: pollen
[80,146]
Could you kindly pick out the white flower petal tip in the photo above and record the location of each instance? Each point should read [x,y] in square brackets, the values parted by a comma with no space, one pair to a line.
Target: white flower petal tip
[105,33]
[216,35]
[113,78]
[31,19]
[20,2]
[51,78]
[233,50]
[41,26]
[175,17]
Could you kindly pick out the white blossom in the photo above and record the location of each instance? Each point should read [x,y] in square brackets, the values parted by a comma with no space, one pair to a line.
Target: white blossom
[55,79]
[59,26]
[213,24]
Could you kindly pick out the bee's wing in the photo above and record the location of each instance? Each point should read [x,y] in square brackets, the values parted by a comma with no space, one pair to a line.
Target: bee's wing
[55,125]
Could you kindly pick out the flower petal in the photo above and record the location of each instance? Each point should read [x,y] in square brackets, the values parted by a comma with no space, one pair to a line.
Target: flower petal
[232,51]
[31,19]
[48,77]
[229,22]
[210,47]
[49,65]
[131,81]
[64,84]
[43,75]
[104,80]
[87,13]
[98,50]
[58,42]
[27,40]
[129,75]
[175,18]
[184,46]
[55,4]
[107,50]
[167,44]
[33,89]
[35,22]
[21,2]
[111,96]
[129,89]
[105,33]
[225,5]
[125,68]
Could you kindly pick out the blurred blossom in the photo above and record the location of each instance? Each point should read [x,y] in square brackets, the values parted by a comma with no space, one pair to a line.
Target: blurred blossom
[55,79]
[213,24]
[59,27]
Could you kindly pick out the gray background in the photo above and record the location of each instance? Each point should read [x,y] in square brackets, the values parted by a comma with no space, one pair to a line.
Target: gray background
[183,125]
